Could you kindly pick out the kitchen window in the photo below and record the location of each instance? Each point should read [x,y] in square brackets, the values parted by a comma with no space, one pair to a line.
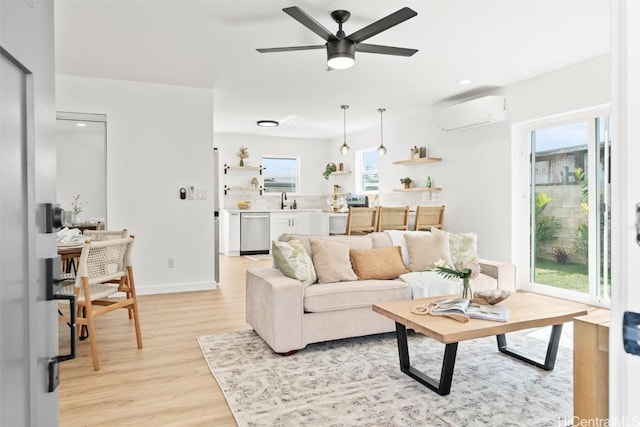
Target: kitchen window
[281,174]
[367,170]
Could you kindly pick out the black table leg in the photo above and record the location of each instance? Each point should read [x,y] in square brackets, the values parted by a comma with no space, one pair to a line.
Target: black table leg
[552,349]
[442,386]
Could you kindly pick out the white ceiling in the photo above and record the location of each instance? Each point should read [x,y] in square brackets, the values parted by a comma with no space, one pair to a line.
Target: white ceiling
[211,44]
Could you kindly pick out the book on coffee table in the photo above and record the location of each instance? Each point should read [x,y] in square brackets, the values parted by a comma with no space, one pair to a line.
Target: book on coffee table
[463,306]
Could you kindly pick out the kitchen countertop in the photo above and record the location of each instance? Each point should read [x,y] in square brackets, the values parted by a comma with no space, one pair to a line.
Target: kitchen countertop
[272,210]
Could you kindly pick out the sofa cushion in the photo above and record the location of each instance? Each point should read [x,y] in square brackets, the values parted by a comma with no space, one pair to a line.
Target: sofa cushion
[463,246]
[427,249]
[380,239]
[331,260]
[293,260]
[354,242]
[358,294]
[381,263]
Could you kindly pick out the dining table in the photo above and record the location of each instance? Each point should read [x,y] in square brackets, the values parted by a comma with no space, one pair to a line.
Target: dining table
[69,256]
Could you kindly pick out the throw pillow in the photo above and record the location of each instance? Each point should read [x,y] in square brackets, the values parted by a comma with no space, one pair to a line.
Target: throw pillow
[305,239]
[331,260]
[464,248]
[382,263]
[293,261]
[427,249]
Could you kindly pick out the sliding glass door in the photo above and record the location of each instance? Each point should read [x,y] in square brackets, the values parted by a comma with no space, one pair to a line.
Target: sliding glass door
[569,221]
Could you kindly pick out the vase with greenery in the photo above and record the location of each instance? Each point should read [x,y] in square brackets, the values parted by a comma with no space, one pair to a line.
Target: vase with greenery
[76,208]
[243,153]
[464,274]
[406,181]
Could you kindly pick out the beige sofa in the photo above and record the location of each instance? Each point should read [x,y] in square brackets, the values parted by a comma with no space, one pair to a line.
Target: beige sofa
[288,315]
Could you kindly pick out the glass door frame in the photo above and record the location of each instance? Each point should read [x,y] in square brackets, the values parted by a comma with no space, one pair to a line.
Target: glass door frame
[523,203]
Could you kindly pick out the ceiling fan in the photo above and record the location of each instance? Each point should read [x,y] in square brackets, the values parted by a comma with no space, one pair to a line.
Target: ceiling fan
[341,48]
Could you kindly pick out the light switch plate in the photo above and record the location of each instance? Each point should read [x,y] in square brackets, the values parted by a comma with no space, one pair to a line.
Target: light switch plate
[201,194]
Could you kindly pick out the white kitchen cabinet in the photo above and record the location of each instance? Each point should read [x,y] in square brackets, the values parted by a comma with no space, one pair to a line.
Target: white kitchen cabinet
[233,242]
[318,223]
[284,222]
[293,222]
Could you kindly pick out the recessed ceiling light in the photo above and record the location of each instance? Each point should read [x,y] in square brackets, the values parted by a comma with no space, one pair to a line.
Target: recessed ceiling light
[464,82]
[268,123]
[81,125]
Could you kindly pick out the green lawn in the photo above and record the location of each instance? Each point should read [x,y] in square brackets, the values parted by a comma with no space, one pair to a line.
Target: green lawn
[566,276]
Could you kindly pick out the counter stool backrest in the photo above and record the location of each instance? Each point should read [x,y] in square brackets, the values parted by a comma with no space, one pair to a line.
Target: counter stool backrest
[428,217]
[362,220]
[393,218]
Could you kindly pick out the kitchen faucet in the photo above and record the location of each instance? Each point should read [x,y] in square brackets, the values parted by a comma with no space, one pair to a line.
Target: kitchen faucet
[283,197]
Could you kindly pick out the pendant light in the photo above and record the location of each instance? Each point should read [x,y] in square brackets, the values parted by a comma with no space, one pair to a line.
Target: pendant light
[344,148]
[382,150]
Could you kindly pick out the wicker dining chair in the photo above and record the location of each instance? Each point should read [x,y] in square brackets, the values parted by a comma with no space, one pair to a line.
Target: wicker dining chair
[428,217]
[361,220]
[104,269]
[98,235]
[393,218]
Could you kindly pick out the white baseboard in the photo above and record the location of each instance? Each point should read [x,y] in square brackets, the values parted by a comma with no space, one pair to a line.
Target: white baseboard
[175,287]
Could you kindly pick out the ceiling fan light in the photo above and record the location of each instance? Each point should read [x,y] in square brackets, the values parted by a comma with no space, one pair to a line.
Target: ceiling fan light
[341,62]
[267,123]
[341,54]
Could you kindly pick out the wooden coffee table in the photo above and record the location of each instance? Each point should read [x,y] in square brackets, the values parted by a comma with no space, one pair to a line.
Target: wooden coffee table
[526,311]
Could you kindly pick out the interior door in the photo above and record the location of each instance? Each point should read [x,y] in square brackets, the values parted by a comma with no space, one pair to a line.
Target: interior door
[624,367]
[28,322]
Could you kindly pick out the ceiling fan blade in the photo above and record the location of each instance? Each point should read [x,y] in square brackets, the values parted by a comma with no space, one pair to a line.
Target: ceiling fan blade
[289,49]
[306,20]
[385,50]
[382,24]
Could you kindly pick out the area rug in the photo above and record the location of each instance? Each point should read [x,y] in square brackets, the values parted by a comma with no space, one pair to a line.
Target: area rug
[357,382]
[258,257]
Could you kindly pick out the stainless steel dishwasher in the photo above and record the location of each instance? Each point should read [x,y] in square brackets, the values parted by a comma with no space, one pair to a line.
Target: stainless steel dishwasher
[254,233]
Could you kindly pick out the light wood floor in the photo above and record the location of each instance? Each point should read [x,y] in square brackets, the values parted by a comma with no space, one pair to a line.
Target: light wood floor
[167,383]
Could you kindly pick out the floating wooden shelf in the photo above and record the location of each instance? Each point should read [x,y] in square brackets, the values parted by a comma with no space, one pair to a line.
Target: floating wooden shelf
[341,173]
[419,189]
[418,160]
[227,188]
[243,168]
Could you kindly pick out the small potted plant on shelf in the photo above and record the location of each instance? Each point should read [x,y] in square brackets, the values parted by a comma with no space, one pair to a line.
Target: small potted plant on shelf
[406,181]
[329,169]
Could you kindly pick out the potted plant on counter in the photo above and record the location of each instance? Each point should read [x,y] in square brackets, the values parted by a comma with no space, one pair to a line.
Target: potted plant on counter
[406,181]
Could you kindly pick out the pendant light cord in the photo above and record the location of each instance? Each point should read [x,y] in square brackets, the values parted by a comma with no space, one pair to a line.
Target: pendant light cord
[344,110]
[344,148]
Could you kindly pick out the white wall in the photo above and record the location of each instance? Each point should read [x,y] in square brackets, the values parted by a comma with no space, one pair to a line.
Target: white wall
[159,139]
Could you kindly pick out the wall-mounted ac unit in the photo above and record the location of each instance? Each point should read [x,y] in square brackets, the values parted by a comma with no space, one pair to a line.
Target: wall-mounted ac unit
[477,112]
